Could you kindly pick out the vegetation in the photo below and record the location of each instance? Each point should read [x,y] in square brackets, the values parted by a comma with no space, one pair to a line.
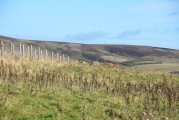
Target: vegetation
[74,91]
[173,68]
[139,62]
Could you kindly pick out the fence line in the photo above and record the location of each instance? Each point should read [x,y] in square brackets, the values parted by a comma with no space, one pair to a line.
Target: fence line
[31,53]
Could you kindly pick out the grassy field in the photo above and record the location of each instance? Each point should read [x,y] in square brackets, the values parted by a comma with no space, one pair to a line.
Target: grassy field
[76,91]
[170,67]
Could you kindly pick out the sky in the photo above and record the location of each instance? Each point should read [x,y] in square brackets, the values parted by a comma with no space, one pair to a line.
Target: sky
[132,22]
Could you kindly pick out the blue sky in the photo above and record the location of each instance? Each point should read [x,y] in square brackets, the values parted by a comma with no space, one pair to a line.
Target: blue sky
[134,22]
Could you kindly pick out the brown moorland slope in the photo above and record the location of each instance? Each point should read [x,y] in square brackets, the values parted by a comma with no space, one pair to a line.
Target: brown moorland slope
[101,52]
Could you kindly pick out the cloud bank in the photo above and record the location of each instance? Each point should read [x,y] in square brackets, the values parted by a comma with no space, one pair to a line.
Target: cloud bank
[86,36]
[126,34]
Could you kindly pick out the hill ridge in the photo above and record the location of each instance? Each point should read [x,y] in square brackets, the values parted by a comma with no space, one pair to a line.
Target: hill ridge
[102,52]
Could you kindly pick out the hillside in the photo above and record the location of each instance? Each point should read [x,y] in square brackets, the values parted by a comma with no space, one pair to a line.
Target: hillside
[118,54]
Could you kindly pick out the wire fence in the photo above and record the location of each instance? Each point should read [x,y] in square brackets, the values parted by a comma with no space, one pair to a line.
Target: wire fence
[10,51]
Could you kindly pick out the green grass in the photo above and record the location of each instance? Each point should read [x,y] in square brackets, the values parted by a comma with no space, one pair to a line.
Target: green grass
[170,67]
[73,91]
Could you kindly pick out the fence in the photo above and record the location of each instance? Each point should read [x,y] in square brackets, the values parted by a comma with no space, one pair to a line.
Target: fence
[32,53]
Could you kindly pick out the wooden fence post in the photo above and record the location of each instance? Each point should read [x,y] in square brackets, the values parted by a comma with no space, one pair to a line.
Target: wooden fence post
[11,50]
[35,53]
[39,54]
[63,58]
[60,59]
[2,49]
[57,57]
[52,56]
[68,59]
[22,51]
[30,52]
[20,47]
[11,47]
[46,54]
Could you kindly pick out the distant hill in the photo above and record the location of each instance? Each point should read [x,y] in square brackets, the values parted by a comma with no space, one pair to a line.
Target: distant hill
[109,53]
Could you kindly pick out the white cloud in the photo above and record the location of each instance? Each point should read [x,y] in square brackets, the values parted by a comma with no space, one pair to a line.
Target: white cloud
[85,36]
[126,34]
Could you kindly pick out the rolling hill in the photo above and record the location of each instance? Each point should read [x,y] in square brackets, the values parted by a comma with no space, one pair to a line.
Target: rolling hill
[118,54]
